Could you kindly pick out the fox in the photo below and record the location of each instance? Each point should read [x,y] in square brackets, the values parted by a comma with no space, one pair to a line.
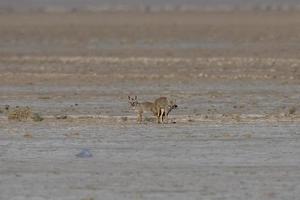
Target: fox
[142,107]
[163,107]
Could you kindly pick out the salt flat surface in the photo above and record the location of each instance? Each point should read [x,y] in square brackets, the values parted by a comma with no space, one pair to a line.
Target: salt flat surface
[149,161]
[235,77]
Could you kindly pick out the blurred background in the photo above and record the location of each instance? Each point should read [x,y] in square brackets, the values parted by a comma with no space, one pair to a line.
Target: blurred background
[146,5]
[150,28]
[233,67]
[189,49]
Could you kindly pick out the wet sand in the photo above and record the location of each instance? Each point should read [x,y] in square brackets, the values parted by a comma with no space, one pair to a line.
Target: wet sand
[235,134]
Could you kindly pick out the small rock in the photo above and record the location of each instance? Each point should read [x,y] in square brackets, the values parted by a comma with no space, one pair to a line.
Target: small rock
[61,116]
[27,135]
[124,119]
[72,135]
[292,110]
[36,117]
[44,97]
[6,107]
[84,153]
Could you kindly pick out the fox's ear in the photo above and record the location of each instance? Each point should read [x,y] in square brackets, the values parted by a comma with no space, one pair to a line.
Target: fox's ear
[135,97]
[129,97]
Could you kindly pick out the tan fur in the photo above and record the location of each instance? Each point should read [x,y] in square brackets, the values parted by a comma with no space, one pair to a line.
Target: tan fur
[160,108]
[163,107]
[142,107]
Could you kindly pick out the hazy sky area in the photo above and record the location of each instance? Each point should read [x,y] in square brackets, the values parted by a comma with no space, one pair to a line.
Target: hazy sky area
[81,3]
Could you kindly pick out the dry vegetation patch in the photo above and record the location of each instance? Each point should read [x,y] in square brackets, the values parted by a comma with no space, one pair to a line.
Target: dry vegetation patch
[23,114]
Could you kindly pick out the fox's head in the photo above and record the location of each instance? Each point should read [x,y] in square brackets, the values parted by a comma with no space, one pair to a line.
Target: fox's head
[132,101]
[172,104]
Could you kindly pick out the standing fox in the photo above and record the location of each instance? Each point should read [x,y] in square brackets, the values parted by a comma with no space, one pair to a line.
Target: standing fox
[163,106]
[142,107]
[160,108]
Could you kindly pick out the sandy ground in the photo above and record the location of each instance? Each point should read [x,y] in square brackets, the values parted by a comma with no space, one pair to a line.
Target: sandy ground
[235,78]
[149,161]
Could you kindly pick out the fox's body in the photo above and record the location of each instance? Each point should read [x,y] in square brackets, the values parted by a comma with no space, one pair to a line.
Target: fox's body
[143,107]
[163,107]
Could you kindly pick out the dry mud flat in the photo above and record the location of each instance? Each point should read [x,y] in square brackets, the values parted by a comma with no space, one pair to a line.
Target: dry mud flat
[236,134]
[207,160]
[270,34]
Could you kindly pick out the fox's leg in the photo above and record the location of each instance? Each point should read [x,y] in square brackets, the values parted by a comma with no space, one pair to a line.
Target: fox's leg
[165,117]
[158,115]
[158,121]
[162,115]
[140,116]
